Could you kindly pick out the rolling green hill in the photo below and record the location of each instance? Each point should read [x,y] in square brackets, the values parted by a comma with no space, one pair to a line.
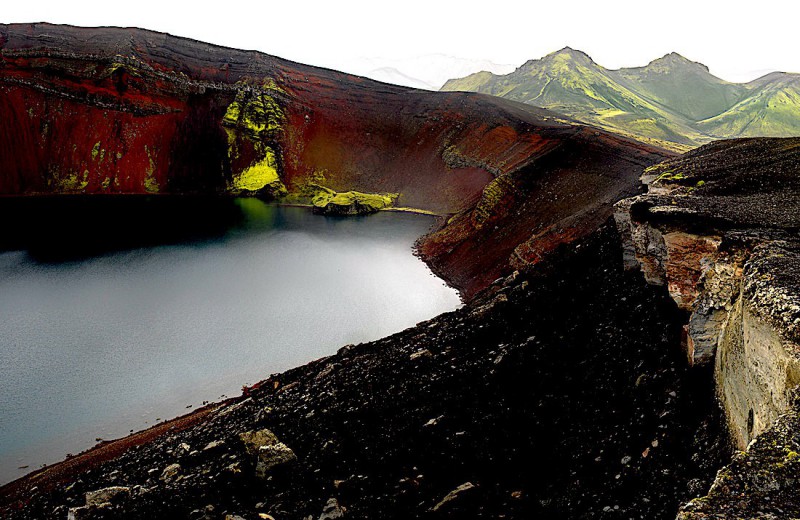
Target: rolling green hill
[672,101]
[771,109]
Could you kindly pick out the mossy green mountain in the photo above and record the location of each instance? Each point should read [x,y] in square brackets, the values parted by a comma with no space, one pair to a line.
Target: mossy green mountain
[672,101]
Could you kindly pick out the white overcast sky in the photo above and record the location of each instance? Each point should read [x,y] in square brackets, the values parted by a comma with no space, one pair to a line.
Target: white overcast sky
[738,41]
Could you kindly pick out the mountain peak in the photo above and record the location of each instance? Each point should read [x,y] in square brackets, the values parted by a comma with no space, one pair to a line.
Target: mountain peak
[673,60]
[563,56]
[570,52]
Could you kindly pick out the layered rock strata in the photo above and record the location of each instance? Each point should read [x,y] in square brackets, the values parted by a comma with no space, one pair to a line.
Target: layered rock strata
[719,229]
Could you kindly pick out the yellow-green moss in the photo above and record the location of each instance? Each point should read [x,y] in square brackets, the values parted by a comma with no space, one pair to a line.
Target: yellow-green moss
[351,202]
[115,67]
[491,200]
[255,116]
[73,182]
[261,175]
[671,175]
[270,84]
[150,183]
[254,112]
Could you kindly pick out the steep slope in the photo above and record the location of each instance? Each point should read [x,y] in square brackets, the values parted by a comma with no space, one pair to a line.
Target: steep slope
[669,79]
[770,109]
[127,111]
[502,409]
[672,101]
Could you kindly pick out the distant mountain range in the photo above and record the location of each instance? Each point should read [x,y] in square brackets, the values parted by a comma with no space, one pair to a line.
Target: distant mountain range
[672,101]
[428,72]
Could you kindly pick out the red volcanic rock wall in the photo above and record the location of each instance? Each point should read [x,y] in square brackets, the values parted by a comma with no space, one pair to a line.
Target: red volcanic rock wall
[112,110]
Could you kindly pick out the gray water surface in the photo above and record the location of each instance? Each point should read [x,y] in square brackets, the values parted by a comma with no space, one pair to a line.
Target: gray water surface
[95,347]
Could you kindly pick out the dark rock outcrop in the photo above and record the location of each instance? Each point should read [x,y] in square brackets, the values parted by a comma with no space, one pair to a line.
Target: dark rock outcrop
[719,228]
[760,482]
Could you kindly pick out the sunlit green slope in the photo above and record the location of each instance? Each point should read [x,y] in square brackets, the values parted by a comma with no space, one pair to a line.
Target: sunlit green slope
[672,101]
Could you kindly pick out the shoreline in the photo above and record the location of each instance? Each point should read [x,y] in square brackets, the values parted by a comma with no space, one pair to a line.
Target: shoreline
[69,465]
[51,475]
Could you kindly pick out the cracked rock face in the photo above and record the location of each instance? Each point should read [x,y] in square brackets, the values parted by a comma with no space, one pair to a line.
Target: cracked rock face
[719,229]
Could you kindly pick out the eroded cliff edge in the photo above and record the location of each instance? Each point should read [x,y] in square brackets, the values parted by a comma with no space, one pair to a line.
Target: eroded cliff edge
[719,229]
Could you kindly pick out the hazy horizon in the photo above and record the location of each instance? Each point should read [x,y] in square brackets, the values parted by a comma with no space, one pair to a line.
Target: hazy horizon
[344,35]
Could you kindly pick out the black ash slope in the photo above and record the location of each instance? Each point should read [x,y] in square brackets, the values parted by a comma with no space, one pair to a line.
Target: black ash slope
[562,393]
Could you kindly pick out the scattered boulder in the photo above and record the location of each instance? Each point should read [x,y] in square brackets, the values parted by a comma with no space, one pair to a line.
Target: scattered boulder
[98,501]
[80,513]
[424,353]
[170,472]
[332,510]
[272,456]
[253,440]
[213,445]
[107,495]
[268,449]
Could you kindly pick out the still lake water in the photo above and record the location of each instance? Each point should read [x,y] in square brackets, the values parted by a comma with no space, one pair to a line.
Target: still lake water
[99,336]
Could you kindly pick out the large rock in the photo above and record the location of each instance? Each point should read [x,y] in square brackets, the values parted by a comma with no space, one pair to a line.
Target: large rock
[268,450]
[718,228]
[171,472]
[107,495]
[329,202]
[454,496]
[99,503]
[332,510]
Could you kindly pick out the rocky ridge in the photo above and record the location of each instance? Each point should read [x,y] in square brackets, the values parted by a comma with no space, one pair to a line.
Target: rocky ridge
[719,229]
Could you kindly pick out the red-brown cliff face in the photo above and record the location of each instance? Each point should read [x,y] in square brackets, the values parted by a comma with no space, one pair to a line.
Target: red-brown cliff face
[129,111]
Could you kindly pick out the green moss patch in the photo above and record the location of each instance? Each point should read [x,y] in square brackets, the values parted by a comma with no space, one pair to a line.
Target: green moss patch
[256,113]
[260,177]
[329,202]
[255,116]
